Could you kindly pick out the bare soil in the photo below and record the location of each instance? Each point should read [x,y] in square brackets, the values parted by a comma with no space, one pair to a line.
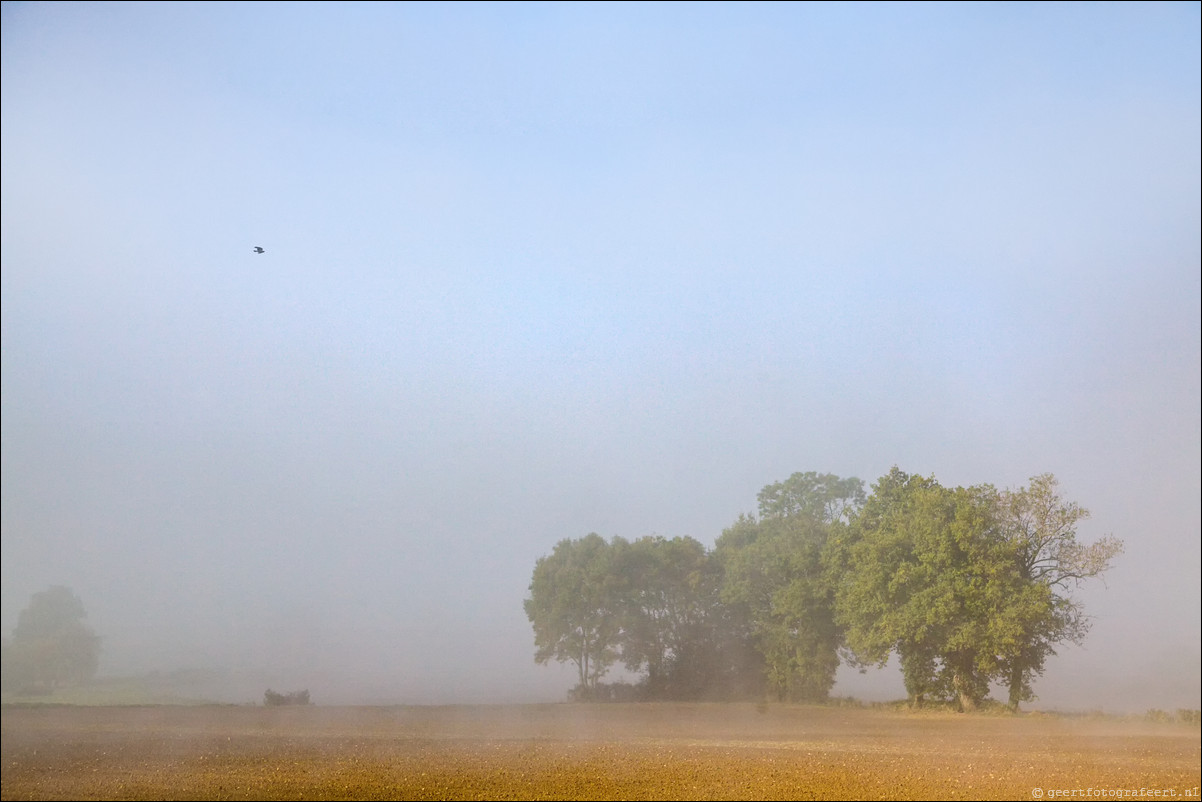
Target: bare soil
[569,751]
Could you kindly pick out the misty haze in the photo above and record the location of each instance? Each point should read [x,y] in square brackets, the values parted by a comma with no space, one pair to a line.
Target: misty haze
[331,331]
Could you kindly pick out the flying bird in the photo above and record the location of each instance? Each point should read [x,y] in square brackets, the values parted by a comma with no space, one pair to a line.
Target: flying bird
[258,249]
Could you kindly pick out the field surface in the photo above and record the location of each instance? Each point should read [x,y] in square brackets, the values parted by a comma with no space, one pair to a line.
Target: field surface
[568,751]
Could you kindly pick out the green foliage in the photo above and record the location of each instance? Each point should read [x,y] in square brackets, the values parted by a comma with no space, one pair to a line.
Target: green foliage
[1042,528]
[652,603]
[776,574]
[878,566]
[774,571]
[965,586]
[931,576]
[576,606]
[665,584]
[670,601]
[823,497]
[51,647]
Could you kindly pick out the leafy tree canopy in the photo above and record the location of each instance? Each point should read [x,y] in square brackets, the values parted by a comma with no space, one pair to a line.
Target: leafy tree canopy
[821,496]
[575,607]
[966,586]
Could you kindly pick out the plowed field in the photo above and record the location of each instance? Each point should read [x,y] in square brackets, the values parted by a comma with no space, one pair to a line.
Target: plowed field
[566,751]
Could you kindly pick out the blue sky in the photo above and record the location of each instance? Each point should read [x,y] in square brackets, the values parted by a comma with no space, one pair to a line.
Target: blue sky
[537,270]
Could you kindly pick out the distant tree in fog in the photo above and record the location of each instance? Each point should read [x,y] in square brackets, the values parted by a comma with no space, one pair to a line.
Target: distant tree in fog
[652,603]
[575,607]
[273,699]
[674,631]
[51,646]
[662,611]
[774,569]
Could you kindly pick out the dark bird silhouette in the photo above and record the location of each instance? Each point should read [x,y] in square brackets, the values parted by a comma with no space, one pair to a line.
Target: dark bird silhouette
[258,249]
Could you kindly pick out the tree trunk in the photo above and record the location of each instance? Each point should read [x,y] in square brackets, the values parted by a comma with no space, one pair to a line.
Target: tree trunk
[1016,685]
[963,686]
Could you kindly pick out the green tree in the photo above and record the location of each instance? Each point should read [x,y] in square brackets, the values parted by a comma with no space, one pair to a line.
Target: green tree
[929,575]
[51,647]
[780,578]
[775,570]
[739,669]
[822,497]
[575,607]
[670,592]
[1042,527]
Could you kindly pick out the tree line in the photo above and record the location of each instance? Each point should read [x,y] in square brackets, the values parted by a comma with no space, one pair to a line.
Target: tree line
[966,587]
